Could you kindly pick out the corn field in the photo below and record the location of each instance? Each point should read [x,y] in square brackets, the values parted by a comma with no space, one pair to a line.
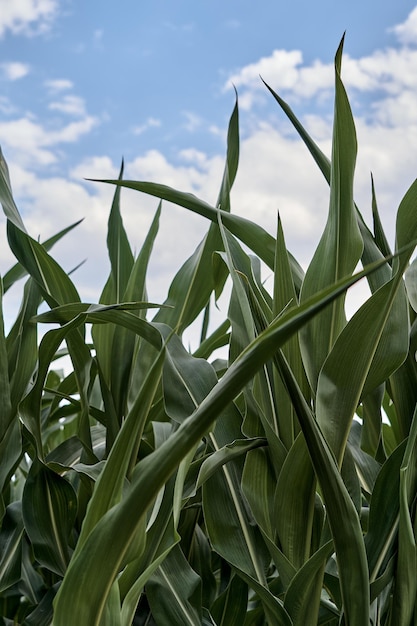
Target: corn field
[273,486]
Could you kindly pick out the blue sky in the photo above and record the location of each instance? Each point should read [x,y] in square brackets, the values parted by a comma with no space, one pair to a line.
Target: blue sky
[84,83]
[161,65]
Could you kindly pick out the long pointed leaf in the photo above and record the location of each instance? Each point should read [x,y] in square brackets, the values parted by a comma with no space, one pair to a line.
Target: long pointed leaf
[105,548]
[341,244]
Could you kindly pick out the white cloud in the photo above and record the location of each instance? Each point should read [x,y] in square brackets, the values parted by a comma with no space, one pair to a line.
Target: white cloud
[192,121]
[25,139]
[59,84]
[48,204]
[72,132]
[94,167]
[196,157]
[154,166]
[151,122]
[27,17]
[276,173]
[407,31]
[31,142]
[70,105]
[14,70]
[36,142]
[281,65]
[284,71]
[388,71]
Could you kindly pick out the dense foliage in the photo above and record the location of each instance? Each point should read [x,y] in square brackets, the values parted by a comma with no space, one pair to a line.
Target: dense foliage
[153,486]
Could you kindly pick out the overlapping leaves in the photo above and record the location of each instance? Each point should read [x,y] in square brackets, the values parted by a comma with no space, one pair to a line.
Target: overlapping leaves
[149,485]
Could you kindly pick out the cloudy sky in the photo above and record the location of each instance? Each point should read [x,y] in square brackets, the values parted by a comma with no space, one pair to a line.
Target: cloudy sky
[83,84]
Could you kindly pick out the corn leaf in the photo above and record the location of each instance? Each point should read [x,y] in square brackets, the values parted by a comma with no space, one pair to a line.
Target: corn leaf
[229,609]
[250,233]
[341,244]
[49,507]
[11,546]
[174,592]
[405,585]
[106,548]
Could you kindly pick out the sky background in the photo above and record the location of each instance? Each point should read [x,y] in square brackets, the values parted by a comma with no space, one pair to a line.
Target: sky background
[83,84]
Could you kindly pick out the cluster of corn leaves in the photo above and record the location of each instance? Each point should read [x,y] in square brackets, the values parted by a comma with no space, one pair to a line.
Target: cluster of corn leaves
[152,486]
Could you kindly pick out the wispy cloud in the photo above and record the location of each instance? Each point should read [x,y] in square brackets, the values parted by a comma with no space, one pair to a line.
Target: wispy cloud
[59,84]
[151,122]
[14,70]
[192,121]
[70,105]
[27,17]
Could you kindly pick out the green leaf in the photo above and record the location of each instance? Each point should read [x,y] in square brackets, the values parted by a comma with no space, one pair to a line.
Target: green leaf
[229,524]
[340,388]
[186,380]
[405,584]
[11,546]
[10,453]
[341,244]
[320,158]
[342,516]
[30,406]
[251,234]
[224,455]
[230,607]
[111,614]
[161,537]
[120,254]
[258,487]
[372,420]
[174,592]
[108,488]
[22,344]
[410,277]
[43,613]
[18,271]
[372,346]
[285,296]
[119,360]
[232,160]
[380,238]
[366,466]
[218,338]
[6,196]
[294,504]
[49,507]
[384,514]
[106,548]
[115,345]
[302,598]
[194,283]
[56,286]
[6,413]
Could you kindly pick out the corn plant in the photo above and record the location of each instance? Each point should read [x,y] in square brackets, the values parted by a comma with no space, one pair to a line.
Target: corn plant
[152,485]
